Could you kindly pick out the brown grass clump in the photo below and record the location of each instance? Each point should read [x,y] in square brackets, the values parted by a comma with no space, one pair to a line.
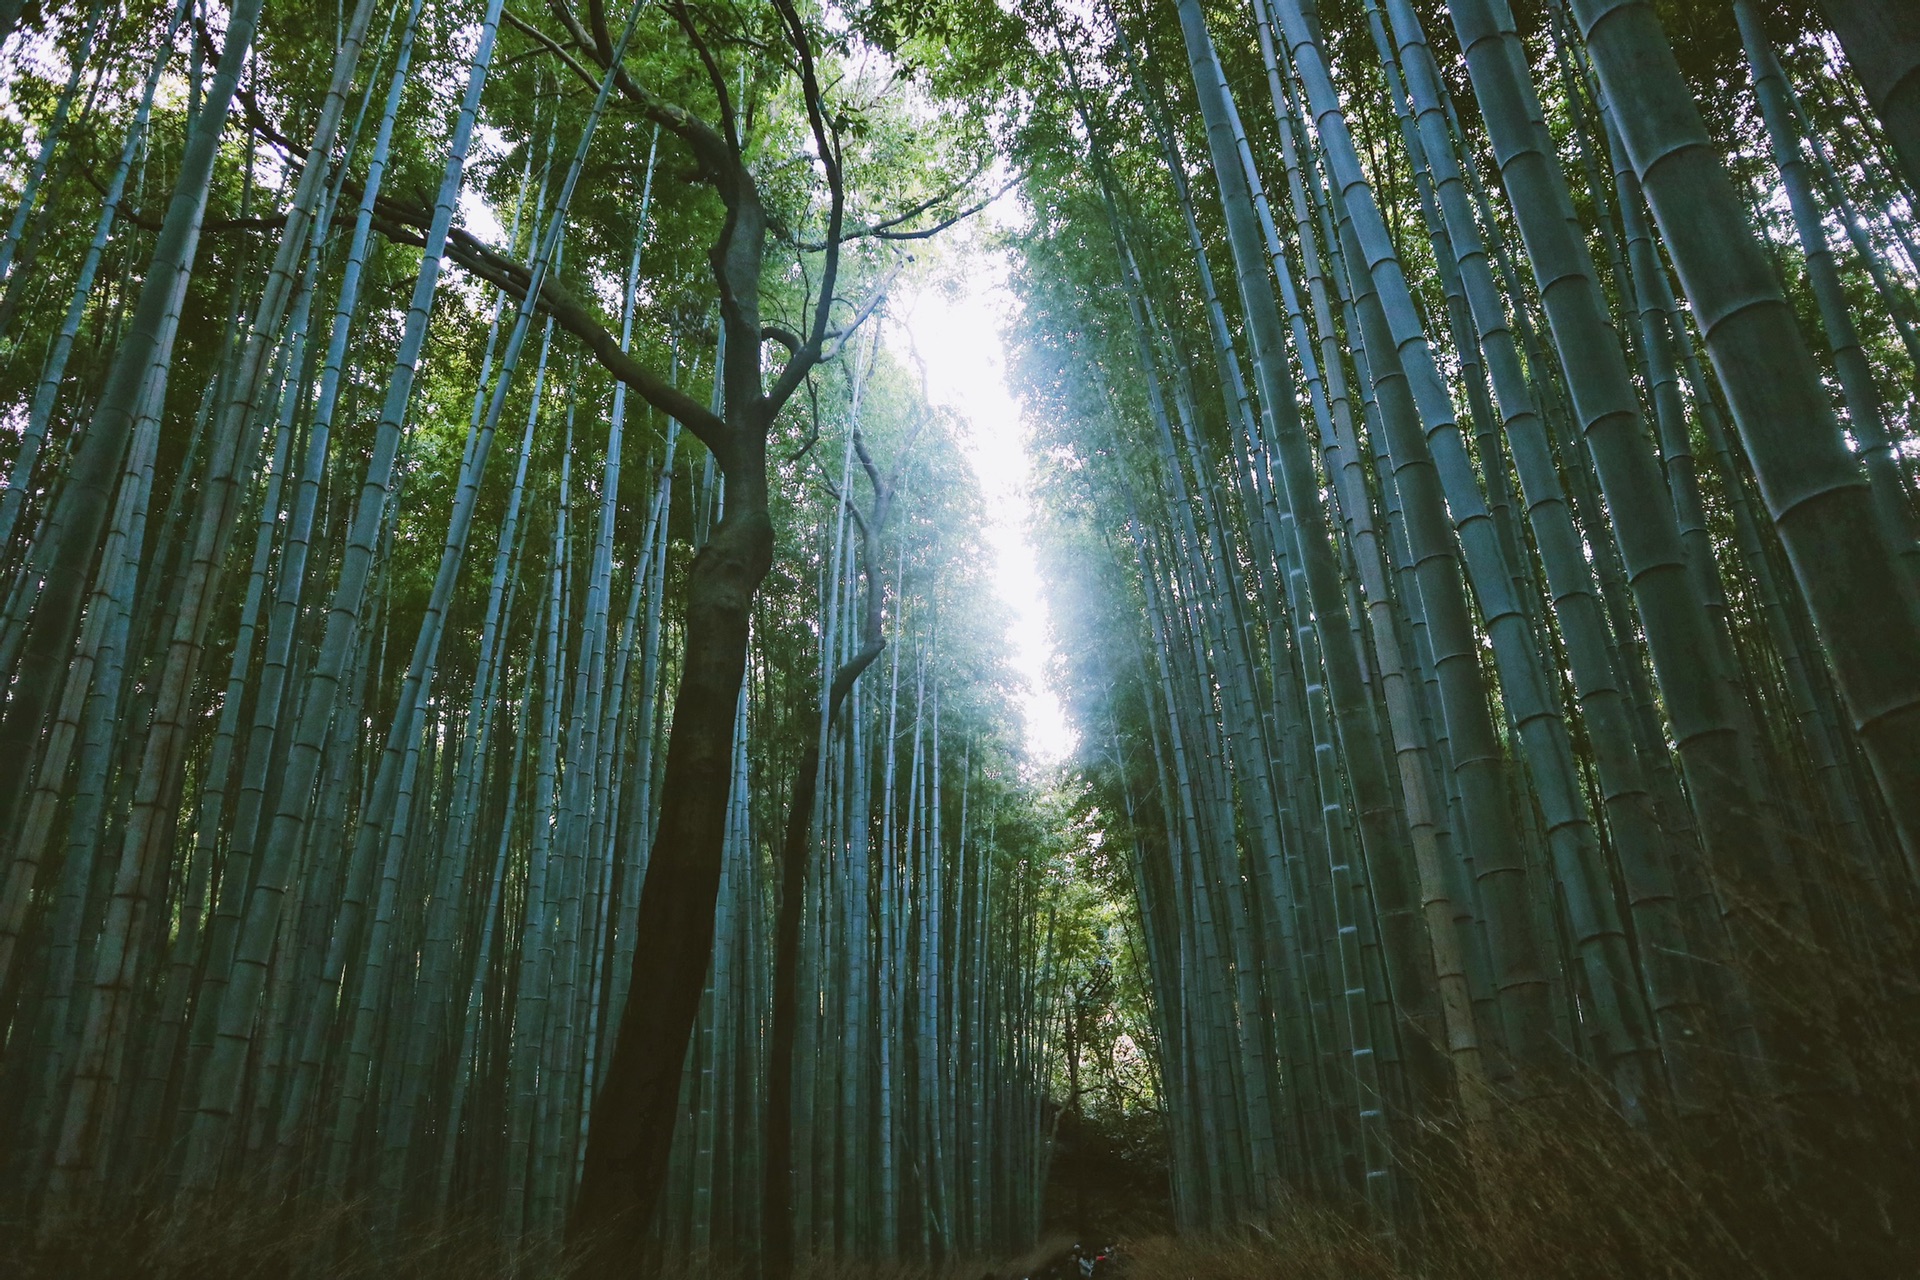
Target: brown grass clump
[1558,1189]
[231,1241]
[1817,1176]
[239,1240]
[1563,1191]
[1302,1243]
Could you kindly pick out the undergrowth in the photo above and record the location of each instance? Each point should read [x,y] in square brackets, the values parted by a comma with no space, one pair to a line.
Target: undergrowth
[1816,1175]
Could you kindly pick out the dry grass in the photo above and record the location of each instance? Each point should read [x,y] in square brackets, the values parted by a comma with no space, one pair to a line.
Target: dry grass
[235,1240]
[1824,1184]
[1561,1193]
[232,1242]
[1822,1178]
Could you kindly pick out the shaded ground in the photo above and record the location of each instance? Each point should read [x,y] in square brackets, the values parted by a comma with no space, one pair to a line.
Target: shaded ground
[1109,1179]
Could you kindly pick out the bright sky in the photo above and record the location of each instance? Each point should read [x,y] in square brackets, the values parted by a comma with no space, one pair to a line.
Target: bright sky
[957,332]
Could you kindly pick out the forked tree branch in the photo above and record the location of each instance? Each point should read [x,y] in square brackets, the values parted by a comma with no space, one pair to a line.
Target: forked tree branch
[552,46]
[729,122]
[839,337]
[826,140]
[576,318]
[888,228]
[709,145]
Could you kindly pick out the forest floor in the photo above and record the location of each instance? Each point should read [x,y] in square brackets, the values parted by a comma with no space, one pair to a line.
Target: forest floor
[1815,1185]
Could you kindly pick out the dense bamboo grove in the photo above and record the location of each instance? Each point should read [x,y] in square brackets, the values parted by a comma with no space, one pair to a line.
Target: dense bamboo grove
[1506,643]
[338,757]
[508,727]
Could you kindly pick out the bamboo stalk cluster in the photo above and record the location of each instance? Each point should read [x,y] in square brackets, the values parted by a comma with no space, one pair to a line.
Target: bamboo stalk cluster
[1526,694]
[335,756]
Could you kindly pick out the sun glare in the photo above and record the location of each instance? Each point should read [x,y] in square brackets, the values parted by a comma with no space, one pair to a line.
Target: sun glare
[957,334]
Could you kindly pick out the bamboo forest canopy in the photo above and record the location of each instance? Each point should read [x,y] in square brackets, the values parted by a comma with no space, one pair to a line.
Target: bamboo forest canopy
[514,750]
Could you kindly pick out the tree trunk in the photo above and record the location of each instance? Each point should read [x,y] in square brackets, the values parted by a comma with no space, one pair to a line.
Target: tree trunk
[632,1134]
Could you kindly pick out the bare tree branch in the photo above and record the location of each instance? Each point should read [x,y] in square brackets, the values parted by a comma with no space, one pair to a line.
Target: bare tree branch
[709,145]
[520,24]
[827,140]
[840,337]
[729,124]
[577,319]
[886,229]
[813,435]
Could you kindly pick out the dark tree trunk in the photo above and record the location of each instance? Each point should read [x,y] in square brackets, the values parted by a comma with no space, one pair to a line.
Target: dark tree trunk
[630,1137]
[634,1114]
[795,855]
